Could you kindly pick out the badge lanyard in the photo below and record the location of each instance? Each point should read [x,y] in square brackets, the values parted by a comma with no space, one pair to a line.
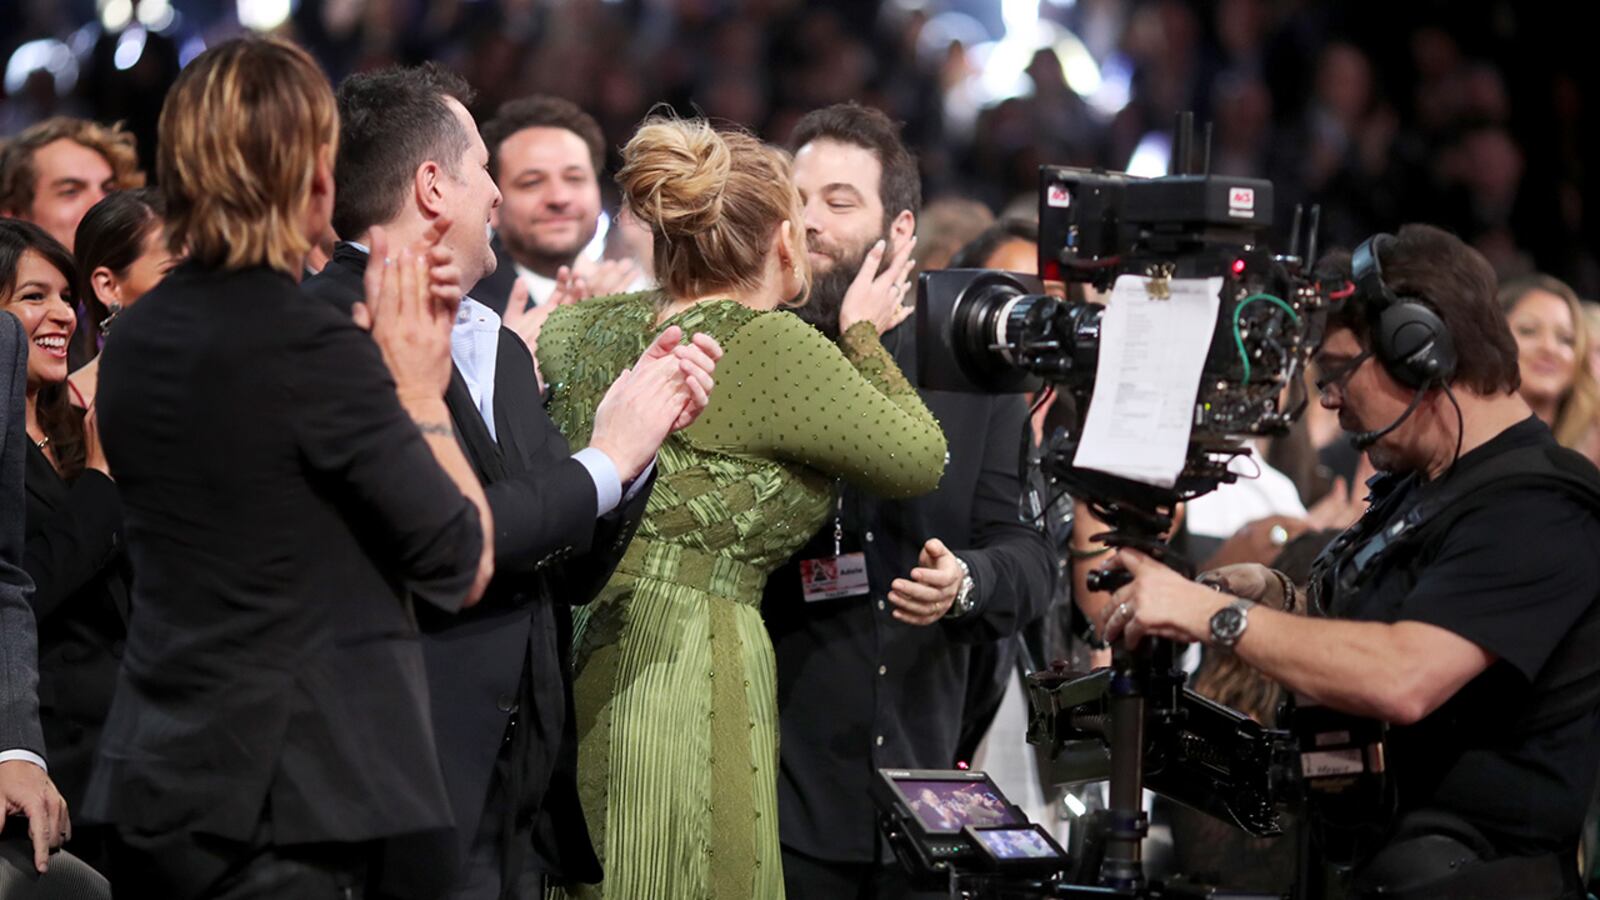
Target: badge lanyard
[840,575]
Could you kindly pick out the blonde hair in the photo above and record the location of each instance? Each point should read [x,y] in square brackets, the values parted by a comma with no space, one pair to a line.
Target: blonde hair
[19,177]
[1579,410]
[240,134]
[711,201]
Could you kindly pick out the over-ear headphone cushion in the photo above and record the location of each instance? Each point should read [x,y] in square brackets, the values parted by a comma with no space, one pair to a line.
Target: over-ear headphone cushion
[1414,344]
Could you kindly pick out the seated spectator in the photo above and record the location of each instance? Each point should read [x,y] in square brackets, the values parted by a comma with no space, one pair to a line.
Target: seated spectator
[1009,244]
[1552,352]
[53,172]
[1591,320]
[122,252]
[73,524]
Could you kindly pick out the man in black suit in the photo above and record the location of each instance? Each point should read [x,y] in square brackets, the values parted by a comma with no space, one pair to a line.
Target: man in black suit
[878,679]
[409,154]
[25,789]
[291,489]
[546,155]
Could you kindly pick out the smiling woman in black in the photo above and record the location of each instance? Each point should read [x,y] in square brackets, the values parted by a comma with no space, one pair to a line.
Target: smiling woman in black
[74,525]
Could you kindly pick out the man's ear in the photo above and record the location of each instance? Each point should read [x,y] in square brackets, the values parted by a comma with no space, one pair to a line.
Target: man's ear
[428,189]
[322,183]
[901,229]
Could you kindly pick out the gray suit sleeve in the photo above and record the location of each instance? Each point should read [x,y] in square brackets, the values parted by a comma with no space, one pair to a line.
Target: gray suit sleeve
[19,660]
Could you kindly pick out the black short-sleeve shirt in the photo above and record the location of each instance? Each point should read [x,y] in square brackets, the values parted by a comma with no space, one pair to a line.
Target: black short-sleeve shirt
[1513,577]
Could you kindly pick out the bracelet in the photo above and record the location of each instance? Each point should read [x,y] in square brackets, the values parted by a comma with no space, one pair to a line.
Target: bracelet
[1287,586]
[1075,553]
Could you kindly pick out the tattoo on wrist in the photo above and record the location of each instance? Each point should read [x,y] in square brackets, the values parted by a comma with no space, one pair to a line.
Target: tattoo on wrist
[441,429]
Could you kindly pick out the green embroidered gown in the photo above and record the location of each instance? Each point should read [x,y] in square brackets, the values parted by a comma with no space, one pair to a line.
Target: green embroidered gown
[674,673]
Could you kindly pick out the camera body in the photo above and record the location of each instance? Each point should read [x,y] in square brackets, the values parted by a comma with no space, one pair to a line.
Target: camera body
[995,332]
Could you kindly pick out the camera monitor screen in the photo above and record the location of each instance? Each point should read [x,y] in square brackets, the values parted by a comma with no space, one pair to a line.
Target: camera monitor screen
[1016,843]
[949,806]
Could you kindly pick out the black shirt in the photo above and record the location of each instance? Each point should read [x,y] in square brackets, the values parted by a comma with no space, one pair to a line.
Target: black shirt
[1512,578]
[859,689]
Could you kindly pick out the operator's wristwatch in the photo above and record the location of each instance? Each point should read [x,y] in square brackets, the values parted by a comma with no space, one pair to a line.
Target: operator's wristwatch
[964,602]
[1228,623]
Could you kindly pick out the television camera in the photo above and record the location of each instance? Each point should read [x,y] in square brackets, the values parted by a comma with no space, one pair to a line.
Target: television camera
[998,332]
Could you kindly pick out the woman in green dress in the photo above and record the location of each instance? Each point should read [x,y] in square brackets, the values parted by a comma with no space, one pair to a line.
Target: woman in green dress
[674,673]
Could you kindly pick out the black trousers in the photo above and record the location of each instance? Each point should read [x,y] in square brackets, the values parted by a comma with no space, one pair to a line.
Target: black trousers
[502,863]
[188,867]
[809,878]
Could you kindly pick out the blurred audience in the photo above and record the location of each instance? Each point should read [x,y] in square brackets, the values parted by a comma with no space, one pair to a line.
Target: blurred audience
[947,225]
[1378,114]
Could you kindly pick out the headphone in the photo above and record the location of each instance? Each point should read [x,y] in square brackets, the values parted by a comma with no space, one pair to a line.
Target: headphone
[1408,337]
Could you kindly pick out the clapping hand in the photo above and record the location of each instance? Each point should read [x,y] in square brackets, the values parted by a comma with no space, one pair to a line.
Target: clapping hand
[697,361]
[664,391]
[608,276]
[528,321]
[410,313]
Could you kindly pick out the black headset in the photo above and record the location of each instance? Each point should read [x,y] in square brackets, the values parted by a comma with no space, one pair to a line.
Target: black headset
[1408,337]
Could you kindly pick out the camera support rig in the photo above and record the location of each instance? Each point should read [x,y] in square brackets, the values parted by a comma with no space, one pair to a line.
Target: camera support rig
[996,332]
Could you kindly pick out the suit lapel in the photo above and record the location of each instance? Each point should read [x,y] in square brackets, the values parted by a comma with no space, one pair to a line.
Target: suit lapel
[480,446]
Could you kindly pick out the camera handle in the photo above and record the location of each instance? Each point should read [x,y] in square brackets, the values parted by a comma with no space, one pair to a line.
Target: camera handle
[1127,824]
[1132,686]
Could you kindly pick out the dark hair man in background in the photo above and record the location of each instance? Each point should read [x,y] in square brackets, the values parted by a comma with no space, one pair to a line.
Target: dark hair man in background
[546,155]
[878,679]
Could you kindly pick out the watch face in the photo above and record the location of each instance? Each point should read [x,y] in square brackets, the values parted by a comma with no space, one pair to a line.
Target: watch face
[1227,625]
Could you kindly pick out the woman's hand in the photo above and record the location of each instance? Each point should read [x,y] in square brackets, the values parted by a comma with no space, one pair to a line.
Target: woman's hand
[879,296]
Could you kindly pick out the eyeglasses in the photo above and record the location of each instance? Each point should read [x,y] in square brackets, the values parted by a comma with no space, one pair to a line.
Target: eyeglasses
[1341,373]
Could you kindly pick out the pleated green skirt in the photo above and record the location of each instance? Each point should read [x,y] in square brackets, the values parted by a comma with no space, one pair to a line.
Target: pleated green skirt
[678,732]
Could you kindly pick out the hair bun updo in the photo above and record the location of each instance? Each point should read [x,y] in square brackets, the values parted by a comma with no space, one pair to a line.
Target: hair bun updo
[675,174]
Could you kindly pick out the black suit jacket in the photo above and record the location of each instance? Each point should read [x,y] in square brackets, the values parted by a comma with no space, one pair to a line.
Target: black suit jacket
[550,551]
[282,511]
[494,290]
[858,689]
[80,599]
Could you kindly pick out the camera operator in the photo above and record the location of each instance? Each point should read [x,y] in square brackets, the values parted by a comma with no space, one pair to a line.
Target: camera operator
[1460,609]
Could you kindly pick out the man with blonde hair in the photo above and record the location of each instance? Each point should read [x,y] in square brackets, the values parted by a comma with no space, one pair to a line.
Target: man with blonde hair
[291,488]
[53,172]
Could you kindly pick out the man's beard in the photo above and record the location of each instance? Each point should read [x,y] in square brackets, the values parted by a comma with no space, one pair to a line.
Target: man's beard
[828,288]
[540,255]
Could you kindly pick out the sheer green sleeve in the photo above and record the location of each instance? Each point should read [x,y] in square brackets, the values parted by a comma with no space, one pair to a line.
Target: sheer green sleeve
[784,390]
[579,351]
